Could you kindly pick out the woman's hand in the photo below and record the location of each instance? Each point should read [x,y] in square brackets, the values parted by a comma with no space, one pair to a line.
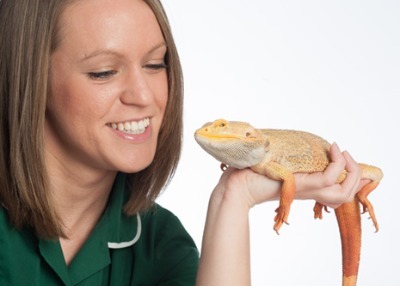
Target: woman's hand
[323,187]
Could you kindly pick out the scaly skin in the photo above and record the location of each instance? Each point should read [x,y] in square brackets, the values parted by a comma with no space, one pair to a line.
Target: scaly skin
[279,154]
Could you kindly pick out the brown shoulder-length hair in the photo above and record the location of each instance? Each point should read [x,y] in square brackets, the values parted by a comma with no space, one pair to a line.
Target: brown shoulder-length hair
[29,31]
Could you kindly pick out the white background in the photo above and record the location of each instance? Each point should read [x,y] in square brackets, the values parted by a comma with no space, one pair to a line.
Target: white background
[328,67]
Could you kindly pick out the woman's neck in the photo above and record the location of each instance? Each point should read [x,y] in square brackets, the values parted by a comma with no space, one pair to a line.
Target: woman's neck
[80,196]
[77,201]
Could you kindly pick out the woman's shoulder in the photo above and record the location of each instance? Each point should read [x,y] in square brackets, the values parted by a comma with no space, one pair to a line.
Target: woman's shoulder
[172,254]
[12,238]
[158,219]
[157,212]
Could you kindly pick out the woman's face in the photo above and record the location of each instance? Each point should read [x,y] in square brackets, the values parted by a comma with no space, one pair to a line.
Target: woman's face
[108,88]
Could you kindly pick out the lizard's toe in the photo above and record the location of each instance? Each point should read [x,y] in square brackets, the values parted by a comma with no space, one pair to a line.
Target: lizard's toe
[281,218]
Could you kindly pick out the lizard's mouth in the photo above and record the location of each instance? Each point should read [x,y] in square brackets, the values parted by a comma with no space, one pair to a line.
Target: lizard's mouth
[214,135]
[226,151]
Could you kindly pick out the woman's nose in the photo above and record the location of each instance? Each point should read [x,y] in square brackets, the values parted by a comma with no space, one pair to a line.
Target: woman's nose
[137,90]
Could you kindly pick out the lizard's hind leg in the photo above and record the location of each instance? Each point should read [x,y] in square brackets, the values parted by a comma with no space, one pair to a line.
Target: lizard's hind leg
[367,206]
[375,175]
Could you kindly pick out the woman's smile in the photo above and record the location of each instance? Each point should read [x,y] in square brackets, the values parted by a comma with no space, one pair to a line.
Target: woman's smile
[131,127]
[133,131]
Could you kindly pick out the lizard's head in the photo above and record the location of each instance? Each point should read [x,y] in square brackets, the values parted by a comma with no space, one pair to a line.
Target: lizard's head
[237,144]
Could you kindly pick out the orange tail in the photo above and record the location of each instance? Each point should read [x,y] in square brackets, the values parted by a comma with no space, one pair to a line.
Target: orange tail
[349,220]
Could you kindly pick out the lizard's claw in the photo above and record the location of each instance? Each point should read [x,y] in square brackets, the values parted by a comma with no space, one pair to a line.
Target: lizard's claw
[224,167]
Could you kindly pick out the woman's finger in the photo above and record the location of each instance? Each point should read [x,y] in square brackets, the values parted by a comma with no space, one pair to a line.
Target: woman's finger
[320,180]
[336,194]
[335,168]
[351,184]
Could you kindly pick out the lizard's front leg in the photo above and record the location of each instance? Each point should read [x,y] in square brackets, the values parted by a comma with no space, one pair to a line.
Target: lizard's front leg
[277,172]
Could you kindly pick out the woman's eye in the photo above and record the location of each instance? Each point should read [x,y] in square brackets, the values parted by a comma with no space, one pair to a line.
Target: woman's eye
[102,75]
[156,67]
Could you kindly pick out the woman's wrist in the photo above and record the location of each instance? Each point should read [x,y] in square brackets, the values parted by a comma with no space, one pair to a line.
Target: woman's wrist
[244,189]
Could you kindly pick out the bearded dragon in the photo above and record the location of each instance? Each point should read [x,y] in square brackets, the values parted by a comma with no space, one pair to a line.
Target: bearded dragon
[279,154]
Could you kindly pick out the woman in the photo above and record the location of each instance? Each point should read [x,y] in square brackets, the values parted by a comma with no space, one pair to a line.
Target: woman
[91,121]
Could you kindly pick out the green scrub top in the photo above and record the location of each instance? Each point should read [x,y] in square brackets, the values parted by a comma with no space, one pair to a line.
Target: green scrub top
[151,248]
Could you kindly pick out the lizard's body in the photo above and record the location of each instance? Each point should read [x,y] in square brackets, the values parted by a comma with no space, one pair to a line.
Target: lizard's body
[279,154]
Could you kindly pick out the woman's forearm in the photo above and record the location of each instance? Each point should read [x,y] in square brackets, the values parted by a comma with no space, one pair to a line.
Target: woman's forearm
[225,253]
[225,258]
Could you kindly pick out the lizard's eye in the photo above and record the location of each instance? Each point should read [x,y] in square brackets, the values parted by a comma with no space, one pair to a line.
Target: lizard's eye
[248,134]
[222,125]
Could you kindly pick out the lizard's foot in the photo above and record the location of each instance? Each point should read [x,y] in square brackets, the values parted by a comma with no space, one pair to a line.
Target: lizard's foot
[281,217]
[367,206]
[318,210]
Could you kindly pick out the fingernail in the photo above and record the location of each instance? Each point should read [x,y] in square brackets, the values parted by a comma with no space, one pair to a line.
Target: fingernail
[347,154]
[335,146]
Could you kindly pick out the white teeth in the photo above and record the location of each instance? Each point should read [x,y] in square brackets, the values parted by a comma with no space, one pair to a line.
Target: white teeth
[141,124]
[132,127]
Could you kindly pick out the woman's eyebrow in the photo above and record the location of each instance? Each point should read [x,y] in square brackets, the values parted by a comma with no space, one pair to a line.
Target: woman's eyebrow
[112,52]
[99,52]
